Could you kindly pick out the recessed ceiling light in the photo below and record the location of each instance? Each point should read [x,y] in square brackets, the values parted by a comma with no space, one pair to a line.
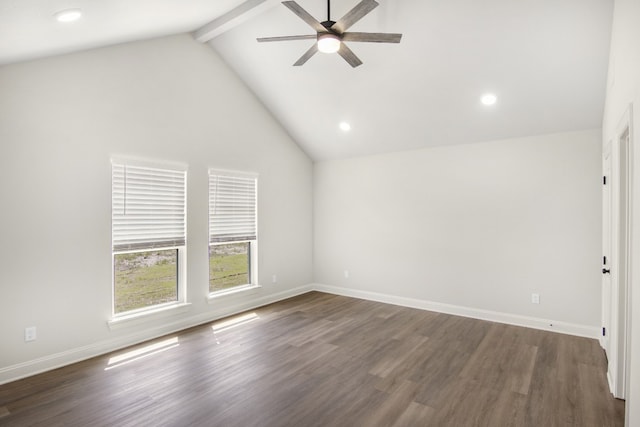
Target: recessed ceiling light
[345,126]
[488,99]
[68,15]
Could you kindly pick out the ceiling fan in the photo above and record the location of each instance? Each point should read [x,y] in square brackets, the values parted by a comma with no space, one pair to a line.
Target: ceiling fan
[331,35]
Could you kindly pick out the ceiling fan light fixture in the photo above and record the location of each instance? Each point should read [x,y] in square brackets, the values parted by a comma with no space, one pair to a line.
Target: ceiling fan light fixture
[328,43]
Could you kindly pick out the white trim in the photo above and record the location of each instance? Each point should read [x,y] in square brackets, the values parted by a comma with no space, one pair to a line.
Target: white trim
[213,296]
[232,19]
[630,248]
[149,163]
[610,382]
[78,354]
[234,173]
[475,313]
[147,315]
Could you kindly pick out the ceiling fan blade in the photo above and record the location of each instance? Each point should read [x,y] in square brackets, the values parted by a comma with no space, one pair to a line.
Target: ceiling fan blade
[372,37]
[305,16]
[349,56]
[354,15]
[286,38]
[308,54]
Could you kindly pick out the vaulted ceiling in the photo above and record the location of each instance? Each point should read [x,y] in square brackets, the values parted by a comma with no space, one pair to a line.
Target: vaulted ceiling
[545,60]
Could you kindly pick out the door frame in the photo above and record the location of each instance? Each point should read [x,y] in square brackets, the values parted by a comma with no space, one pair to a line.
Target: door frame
[621,253]
[607,229]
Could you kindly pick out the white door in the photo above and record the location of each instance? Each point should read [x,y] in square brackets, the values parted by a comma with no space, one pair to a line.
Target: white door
[606,249]
[616,229]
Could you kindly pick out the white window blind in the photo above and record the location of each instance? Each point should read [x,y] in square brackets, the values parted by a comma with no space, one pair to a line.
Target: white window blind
[232,206]
[148,207]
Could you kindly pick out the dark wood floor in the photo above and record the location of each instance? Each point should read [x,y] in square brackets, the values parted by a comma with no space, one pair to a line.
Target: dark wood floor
[325,360]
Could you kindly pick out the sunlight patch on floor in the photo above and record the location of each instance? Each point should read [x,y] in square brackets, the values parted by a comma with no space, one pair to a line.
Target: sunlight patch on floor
[234,322]
[142,352]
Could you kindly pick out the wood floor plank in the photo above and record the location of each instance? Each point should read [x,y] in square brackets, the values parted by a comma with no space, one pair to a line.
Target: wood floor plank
[415,415]
[402,367]
[502,360]
[326,360]
[397,355]
[441,370]
[392,407]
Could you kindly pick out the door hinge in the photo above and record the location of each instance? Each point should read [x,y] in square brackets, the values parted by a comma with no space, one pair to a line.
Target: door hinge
[604,260]
[604,331]
[604,180]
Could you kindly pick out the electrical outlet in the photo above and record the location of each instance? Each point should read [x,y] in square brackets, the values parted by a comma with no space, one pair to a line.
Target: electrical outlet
[274,279]
[30,334]
[346,274]
[535,298]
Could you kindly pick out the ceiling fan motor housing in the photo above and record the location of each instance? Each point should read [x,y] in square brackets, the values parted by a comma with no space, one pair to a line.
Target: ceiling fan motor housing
[328,24]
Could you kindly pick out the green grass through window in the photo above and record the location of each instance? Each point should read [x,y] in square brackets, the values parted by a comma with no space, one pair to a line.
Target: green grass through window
[228,266]
[145,279]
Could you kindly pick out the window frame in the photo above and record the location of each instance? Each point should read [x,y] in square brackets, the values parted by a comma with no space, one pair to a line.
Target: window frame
[181,258]
[252,244]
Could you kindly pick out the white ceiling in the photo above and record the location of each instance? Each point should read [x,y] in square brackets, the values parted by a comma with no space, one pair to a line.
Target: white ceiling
[545,59]
[28,29]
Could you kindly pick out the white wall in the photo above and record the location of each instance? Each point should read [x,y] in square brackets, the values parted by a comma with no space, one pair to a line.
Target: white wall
[623,89]
[61,119]
[478,226]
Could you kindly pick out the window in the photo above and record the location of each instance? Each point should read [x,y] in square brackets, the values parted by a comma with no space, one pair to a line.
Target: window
[232,230]
[148,236]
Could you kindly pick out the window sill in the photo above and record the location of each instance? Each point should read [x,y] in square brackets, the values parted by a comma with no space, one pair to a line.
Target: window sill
[147,315]
[234,291]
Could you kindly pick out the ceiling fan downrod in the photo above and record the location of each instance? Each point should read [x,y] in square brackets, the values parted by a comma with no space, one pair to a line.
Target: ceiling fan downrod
[328,23]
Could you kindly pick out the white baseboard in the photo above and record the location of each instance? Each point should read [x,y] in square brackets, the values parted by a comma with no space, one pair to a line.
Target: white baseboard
[57,360]
[53,361]
[610,382]
[475,313]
